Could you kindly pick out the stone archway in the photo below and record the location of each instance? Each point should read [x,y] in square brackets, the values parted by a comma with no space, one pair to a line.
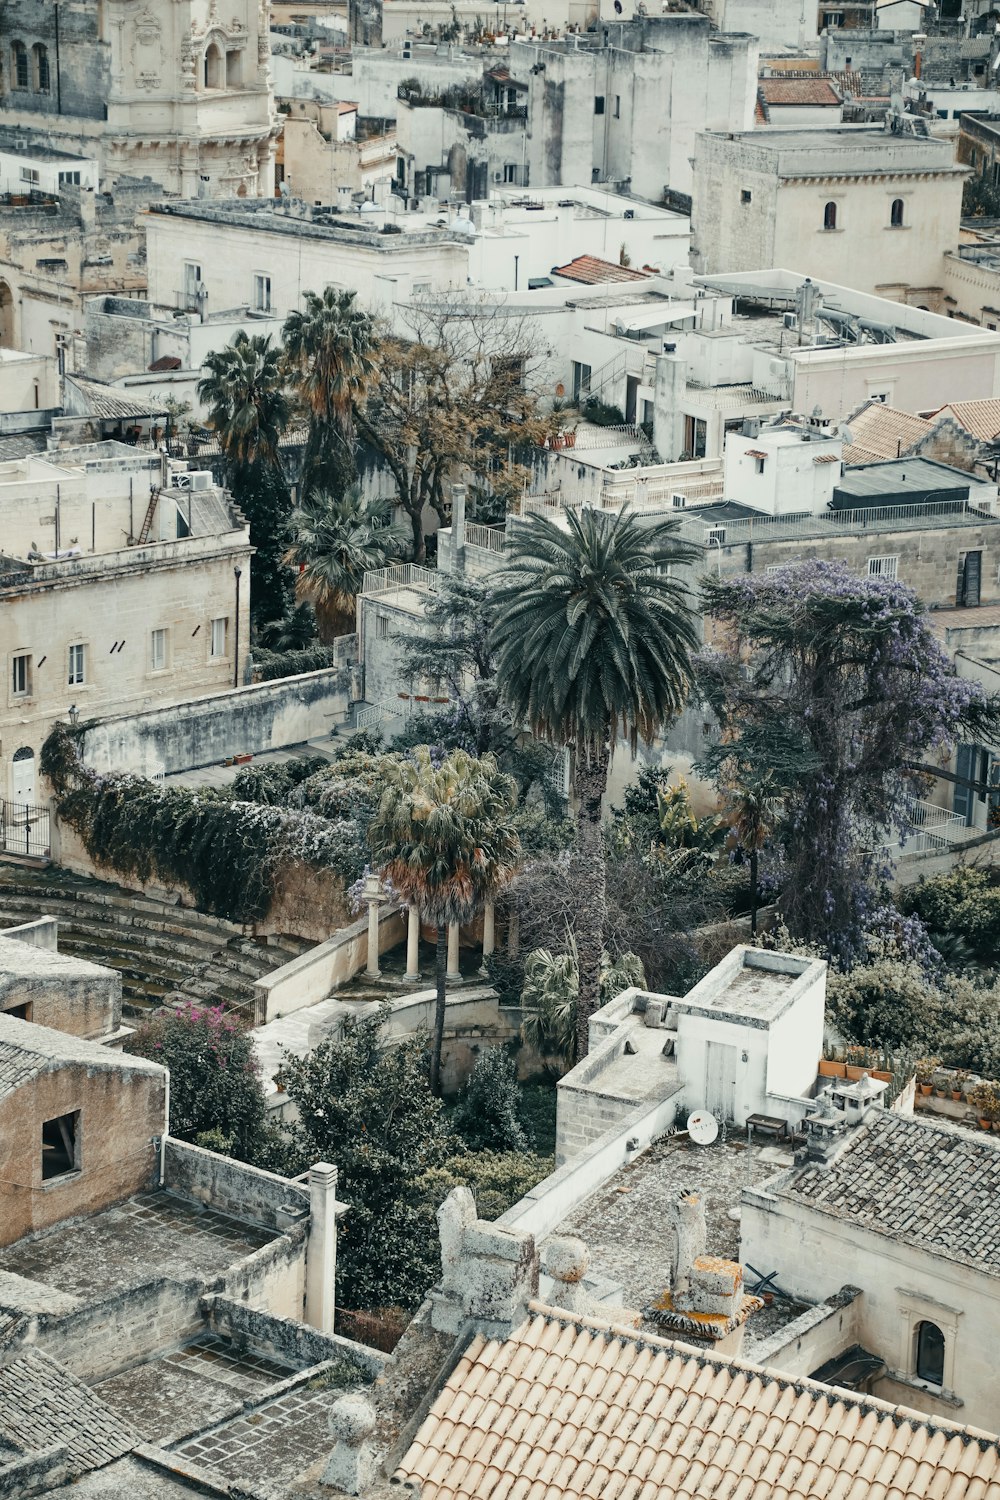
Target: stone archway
[6,317]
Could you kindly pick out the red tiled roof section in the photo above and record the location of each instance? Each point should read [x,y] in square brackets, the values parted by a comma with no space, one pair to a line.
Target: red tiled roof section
[573,1408]
[981,418]
[797,91]
[590,269]
[879,431]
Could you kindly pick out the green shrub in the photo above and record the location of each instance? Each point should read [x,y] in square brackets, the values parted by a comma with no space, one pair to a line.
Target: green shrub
[888,1003]
[498,1179]
[962,904]
[216,1096]
[488,1113]
[270,665]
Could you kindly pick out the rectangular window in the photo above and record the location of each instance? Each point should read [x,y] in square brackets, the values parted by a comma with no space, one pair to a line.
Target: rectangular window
[21,677]
[61,1146]
[758,464]
[381,627]
[192,281]
[883,567]
[77,662]
[599,105]
[746,196]
[510,172]
[20,58]
[261,292]
[29,174]
[618,106]
[158,650]
[220,633]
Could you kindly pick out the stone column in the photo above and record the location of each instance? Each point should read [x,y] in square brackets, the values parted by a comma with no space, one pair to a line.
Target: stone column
[374,896]
[489,929]
[321,1252]
[454,972]
[412,943]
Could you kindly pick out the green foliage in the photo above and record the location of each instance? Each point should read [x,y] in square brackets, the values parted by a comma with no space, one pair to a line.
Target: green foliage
[270,783]
[370,1110]
[887,1003]
[980,198]
[963,903]
[293,632]
[227,853]
[488,1113]
[601,414]
[216,1096]
[268,666]
[330,351]
[335,540]
[550,993]
[498,1179]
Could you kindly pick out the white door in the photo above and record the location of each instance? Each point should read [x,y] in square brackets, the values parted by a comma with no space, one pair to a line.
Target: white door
[720,1080]
[22,776]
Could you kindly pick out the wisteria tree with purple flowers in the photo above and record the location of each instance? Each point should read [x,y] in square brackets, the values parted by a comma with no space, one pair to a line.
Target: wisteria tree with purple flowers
[836,686]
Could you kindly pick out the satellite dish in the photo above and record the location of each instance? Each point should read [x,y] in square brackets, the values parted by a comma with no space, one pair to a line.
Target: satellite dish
[618,7]
[702,1127]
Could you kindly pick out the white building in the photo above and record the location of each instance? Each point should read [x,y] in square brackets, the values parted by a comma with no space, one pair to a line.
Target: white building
[118,593]
[856,205]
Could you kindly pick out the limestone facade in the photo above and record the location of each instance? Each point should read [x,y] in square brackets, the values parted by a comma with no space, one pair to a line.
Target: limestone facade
[181,92]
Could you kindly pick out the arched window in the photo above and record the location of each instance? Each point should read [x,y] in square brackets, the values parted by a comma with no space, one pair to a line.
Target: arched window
[40,59]
[896,213]
[830,216]
[213,67]
[19,65]
[930,1353]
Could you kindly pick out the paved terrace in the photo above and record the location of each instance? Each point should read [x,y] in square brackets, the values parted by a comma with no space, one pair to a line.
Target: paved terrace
[627,1223]
[870,520]
[153,1234]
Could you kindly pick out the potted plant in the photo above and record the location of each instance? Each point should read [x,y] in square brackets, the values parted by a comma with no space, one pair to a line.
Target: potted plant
[985,1101]
[924,1070]
[959,1078]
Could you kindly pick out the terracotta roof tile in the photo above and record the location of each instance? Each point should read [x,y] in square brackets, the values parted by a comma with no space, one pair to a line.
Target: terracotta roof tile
[619,1415]
[981,418]
[797,91]
[879,431]
[591,270]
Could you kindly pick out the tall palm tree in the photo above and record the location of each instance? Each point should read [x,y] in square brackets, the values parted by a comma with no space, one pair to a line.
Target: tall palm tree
[249,408]
[334,543]
[330,349]
[444,838]
[593,638]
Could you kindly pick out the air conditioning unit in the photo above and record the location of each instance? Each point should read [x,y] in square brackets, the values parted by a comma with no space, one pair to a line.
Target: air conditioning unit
[498,176]
[790,320]
[678,501]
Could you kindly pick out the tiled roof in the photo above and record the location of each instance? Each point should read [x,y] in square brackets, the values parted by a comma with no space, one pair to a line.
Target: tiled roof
[577,1409]
[108,403]
[591,270]
[797,91]
[881,431]
[933,1188]
[41,1403]
[981,418]
[27,1050]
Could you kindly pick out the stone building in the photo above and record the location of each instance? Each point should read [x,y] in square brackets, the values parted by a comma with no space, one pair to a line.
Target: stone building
[867,209]
[181,95]
[320,152]
[906,1212]
[121,588]
[40,984]
[61,244]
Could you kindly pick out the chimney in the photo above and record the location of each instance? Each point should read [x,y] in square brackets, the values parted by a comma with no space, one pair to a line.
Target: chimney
[458,526]
[689,1240]
[668,421]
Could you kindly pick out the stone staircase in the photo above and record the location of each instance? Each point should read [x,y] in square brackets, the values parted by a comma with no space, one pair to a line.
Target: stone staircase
[164,953]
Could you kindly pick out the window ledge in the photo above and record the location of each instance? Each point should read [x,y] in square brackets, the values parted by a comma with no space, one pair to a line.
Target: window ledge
[937,1391]
[61,1180]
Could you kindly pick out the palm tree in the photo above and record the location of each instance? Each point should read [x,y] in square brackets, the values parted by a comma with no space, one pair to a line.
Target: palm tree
[330,348]
[443,837]
[249,409]
[593,638]
[754,805]
[334,543]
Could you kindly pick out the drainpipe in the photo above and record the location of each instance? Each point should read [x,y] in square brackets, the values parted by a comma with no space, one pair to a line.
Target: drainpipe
[237,574]
[55,12]
[166,1129]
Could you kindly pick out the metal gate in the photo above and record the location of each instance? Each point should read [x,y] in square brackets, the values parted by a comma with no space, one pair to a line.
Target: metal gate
[24,828]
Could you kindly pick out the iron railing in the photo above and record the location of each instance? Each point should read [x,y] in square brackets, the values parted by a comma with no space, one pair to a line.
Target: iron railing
[24,829]
[485,537]
[399,577]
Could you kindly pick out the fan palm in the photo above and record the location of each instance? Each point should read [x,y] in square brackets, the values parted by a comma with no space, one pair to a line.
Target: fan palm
[593,639]
[754,805]
[330,348]
[444,838]
[334,543]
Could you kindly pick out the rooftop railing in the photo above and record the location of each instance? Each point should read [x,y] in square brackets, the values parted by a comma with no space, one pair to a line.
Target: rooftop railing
[486,537]
[400,577]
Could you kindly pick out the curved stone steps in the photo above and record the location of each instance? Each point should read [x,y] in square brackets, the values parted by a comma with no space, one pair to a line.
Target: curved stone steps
[164,952]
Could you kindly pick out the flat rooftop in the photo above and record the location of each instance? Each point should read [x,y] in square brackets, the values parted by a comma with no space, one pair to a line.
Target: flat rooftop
[153,1234]
[844,149]
[907,477]
[752,986]
[627,1223]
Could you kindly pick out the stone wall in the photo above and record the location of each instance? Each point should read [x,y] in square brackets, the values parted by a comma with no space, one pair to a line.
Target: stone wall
[121,1113]
[52,989]
[311,977]
[232,1187]
[203,731]
[285,1339]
